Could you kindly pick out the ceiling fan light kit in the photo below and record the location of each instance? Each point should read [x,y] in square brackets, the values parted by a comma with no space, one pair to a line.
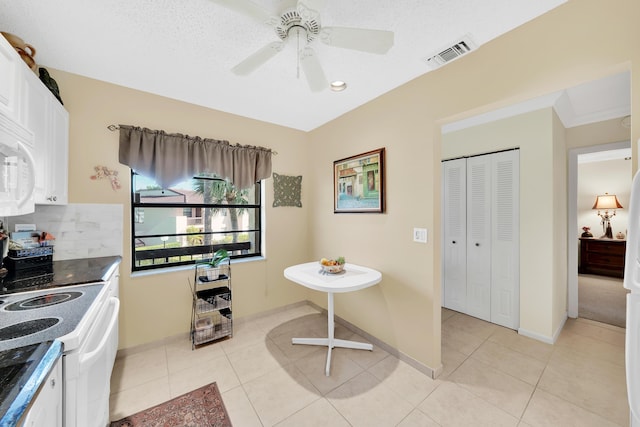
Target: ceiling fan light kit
[338,86]
[305,19]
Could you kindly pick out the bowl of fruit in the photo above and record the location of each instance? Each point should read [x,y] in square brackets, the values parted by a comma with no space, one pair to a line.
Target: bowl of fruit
[332,266]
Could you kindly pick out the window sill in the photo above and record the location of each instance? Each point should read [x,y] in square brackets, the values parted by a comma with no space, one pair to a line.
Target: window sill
[179,268]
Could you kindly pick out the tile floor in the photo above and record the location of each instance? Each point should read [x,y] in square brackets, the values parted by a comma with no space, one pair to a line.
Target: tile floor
[492,377]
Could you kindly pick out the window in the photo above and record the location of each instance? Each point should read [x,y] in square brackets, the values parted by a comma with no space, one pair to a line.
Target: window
[187,222]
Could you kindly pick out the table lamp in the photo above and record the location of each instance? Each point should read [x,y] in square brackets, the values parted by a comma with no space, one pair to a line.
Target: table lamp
[606,203]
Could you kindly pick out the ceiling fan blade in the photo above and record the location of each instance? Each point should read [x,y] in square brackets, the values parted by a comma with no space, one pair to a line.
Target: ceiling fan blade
[255,60]
[248,8]
[310,9]
[313,70]
[372,41]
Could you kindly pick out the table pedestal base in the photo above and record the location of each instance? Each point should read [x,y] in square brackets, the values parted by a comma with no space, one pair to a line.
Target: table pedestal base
[330,341]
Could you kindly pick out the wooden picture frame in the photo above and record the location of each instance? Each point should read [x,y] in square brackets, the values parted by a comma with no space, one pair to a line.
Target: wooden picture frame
[358,183]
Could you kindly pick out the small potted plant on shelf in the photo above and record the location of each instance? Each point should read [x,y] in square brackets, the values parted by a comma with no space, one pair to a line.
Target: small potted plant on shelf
[214,263]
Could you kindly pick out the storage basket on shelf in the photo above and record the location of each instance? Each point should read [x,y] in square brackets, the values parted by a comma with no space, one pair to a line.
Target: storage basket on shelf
[212,328]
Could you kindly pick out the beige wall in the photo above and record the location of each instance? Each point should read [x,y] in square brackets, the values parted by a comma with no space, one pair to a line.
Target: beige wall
[594,178]
[604,132]
[159,305]
[612,176]
[558,50]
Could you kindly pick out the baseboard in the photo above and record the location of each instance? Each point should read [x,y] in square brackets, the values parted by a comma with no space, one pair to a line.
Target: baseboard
[128,351]
[544,338]
[558,331]
[425,369]
[249,318]
[536,336]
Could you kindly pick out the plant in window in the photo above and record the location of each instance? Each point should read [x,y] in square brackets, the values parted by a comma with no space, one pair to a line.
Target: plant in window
[218,257]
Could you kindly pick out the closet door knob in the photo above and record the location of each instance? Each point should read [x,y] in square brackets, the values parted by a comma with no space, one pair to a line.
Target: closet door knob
[454,242]
[477,244]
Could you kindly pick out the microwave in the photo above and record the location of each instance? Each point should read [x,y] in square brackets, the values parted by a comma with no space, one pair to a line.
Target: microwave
[17,169]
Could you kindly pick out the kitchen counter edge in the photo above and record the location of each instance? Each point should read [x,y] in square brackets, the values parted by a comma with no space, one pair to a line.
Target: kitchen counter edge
[24,399]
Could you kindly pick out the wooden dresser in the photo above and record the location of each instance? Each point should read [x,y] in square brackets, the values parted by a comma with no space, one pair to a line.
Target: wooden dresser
[602,256]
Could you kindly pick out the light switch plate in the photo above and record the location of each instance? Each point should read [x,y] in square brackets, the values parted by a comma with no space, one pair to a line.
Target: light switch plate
[420,235]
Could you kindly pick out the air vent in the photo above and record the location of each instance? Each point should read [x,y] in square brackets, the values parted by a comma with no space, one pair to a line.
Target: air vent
[448,54]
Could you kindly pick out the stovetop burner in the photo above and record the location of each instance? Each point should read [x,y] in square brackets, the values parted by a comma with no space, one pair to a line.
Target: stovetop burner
[43,301]
[29,327]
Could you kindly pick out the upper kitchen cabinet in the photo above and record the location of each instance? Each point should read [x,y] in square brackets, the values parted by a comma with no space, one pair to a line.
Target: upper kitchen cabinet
[25,100]
[10,66]
[49,121]
[43,115]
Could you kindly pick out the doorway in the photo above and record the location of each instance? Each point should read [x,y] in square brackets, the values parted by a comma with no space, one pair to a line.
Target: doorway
[594,171]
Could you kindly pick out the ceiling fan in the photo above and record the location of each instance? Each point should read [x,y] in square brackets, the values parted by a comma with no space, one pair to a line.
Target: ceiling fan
[302,22]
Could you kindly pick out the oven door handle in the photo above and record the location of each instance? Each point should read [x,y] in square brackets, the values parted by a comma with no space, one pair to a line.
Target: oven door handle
[87,358]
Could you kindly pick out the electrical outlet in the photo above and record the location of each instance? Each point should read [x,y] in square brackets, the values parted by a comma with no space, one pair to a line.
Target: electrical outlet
[420,235]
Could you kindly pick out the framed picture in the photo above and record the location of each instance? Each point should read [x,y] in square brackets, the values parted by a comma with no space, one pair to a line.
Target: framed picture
[358,183]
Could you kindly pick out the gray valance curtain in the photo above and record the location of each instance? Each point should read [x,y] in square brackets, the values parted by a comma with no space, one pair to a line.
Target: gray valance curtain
[173,158]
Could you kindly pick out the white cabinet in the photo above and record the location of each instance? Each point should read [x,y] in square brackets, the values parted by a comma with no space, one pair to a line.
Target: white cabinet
[481,237]
[10,67]
[24,99]
[46,409]
[57,191]
[49,122]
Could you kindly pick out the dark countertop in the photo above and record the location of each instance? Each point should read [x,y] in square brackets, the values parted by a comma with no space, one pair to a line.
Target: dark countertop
[61,273]
[30,365]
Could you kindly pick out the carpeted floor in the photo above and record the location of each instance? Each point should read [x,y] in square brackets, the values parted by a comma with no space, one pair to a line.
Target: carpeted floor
[602,299]
[199,408]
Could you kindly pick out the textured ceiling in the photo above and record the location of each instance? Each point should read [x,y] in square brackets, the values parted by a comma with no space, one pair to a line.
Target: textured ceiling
[185,49]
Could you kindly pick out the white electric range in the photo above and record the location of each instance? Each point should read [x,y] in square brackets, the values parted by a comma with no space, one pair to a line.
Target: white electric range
[84,318]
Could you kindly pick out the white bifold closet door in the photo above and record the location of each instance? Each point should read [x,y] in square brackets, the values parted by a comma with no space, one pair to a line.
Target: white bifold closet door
[505,239]
[454,208]
[481,237]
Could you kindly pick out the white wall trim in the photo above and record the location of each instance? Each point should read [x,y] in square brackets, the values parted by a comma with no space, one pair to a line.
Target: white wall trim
[536,336]
[572,220]
[556,334]
[544,338]
[427,370]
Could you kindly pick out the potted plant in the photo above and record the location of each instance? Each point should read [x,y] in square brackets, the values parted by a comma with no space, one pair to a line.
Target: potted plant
[214,263]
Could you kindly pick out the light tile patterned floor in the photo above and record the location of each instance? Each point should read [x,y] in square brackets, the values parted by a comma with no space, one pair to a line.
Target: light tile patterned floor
[492,377]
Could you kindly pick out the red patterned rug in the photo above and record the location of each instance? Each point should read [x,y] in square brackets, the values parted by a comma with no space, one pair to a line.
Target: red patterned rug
[198,408]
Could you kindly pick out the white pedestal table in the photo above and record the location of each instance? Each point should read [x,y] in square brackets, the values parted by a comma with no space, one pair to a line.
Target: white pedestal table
[353,278]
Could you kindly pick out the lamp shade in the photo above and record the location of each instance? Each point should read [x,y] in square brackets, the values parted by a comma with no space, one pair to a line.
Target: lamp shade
[607,201]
